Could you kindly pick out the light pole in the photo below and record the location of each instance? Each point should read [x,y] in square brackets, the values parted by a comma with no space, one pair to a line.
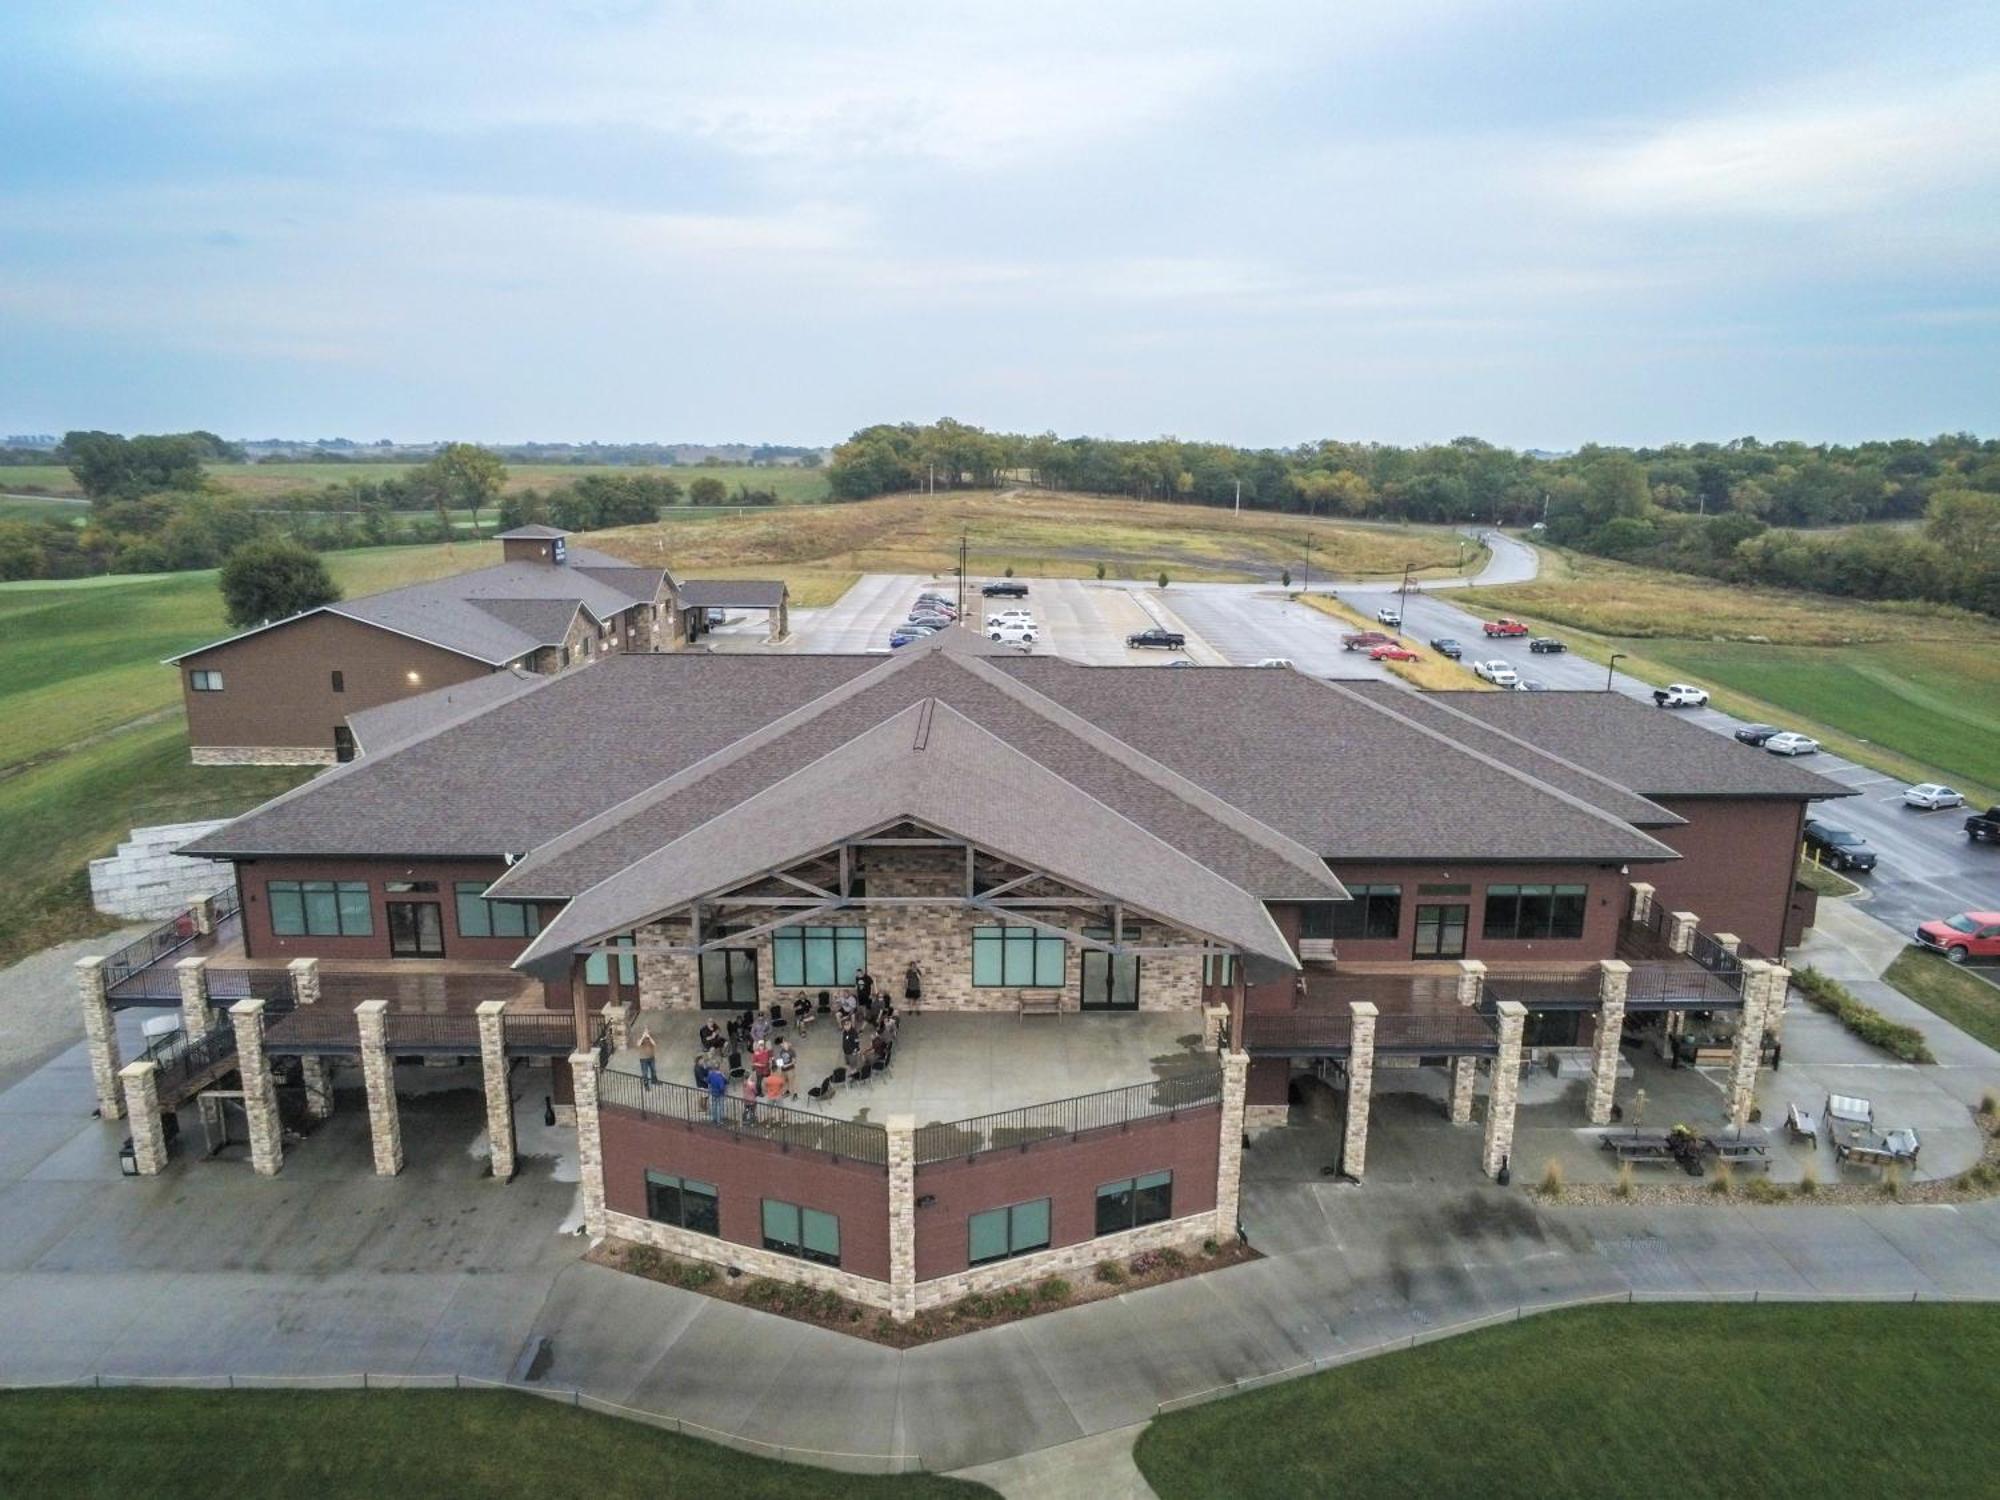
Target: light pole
[1611,667]
[1403,593]
[1311,506]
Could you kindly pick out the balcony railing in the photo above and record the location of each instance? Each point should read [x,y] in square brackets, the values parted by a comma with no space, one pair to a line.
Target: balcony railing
[184,1065]
[552,1033]
[1679,983]
[1111,1110]
[788,1128]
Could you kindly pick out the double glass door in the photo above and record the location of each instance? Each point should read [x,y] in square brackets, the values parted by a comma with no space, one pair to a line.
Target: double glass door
[1109,983]
[416,929]
[1441,931]
[728,978]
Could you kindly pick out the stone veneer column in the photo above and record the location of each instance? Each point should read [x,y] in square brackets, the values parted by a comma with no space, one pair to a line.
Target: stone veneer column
[316,1073]
[1229,1160]
[618,1024]
[1681,927]
[204,915]
[499,1094]
[1760,981]
[1728,942]
[142,1102]
[378,1075]
[1471,980]
[100,1032]
[305,980]
[902,1132]
[197,1015]
[260,1096]
[1214,1019]
[1360,1084]
[589,1142]
[1642,901]
[1464,1077]
[1513,1015]
[1613,976]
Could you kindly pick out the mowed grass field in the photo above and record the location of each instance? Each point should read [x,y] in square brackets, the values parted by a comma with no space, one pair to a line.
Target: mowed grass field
[273,481]
[1909,689]
[1035,533]
[360,1445]
[1677,1402]
[92,738]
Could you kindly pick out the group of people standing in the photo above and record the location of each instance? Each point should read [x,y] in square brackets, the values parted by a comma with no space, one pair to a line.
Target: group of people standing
[719,1061]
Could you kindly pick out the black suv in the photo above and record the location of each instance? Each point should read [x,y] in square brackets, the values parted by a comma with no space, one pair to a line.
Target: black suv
[1006,588]
[1546,645]
[1839,847]
[1756,734]
[1448,648]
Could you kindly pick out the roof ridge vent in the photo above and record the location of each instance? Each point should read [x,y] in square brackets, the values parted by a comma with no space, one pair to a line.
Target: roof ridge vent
[924,711]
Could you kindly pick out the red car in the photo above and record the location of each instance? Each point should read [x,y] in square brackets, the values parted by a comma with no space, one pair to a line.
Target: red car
[1970,934]
[1392,652]
[1366,640]
[1504,627]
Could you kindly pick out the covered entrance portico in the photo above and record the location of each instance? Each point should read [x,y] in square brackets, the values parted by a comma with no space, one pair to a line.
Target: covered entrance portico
[706,601]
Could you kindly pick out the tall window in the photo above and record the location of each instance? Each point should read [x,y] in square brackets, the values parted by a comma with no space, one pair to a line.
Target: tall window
[1001,1232]
[1218,968]
[1375,912]
[1135,1201]
[320,908]
[597,966]
[205,682]
[1017,957]
[683,1202]
[478,917]
[1535,911]
[804,1232]
[339,681]
[817,957]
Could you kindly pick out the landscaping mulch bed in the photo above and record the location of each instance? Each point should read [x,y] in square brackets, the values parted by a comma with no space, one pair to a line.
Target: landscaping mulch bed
[1981,1180]
[829,1310]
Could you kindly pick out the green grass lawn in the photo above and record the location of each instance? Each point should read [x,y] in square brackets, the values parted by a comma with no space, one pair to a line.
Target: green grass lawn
[1967,1001]
[68,512]
[1679,1401]
[1825,881]
[289,1445]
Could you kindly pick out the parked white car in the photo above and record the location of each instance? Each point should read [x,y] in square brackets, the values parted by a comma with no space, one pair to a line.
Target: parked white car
[1680,695]
[1013,632]
[1930,794]
[1275,661]
[1003,616]
[1789,743]
[1496,672]
[1390,615]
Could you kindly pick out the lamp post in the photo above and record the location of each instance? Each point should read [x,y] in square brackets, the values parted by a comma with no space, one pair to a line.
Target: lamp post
[1611,667]
[1312,505]
[1403,593]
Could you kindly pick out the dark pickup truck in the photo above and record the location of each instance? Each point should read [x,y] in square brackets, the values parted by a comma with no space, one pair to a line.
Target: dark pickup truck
[1172,640]
[1009,588]
[1984,828]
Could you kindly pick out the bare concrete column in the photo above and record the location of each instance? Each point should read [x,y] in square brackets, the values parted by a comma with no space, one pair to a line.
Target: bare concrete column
[317,1075]
[197,1015]
[100,1033]
[305,980]
[142,1102]
[1464,1076]
[1613,976]
[1229,1161]
[1746,1051]
[1360,1084]
[378,1075]
[589,1142]
[1513,1015]
[902,1133]
[1642,901]
[1681,927]
[1471,981]
[1214,1019]
[260,1095]
[499,1092]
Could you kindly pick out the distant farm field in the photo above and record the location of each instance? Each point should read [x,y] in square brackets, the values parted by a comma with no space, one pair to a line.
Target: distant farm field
[1037,535]
[273,481]
[1911,689]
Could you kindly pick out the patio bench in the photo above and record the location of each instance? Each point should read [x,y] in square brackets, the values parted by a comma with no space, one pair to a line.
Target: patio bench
[1638,1146]
[1040,1003]
[1748,1149]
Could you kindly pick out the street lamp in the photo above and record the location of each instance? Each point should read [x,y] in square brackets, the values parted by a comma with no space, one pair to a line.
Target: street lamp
[1611,667]
[1403,593]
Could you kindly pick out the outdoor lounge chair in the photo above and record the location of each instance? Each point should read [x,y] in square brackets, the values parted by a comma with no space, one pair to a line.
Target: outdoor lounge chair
[1801,1123]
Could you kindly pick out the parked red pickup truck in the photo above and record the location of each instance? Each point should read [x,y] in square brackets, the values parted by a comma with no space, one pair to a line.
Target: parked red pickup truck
[1504,627]
[1970,934]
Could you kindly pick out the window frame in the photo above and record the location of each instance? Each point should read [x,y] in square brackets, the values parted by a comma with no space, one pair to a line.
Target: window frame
[803,1222]
[1509,917]
[1009,1213]
[597,966]
[468,895]
[1375,914]
[349,919]
[204,680]
[816,957]
[1130,1193]
[708,1221]
[1017,946]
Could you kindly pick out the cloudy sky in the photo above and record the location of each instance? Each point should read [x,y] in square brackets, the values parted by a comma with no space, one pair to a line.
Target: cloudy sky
[1540,223]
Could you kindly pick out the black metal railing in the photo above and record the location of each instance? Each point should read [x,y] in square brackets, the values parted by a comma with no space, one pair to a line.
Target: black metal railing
[1645,937]
[1716,959]
[1681,984]
[538,1033]
[1327,1031]
[225,904]
[311,1027]
[452,990]
[142,953]
[791,1129]
[1112,1109]
[1456,1031]
[431,1030]
[185,1064]
[272,986]
[1548,987]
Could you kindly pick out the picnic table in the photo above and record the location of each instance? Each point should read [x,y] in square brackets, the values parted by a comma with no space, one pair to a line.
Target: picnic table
[1749,1147]
[1656,1148]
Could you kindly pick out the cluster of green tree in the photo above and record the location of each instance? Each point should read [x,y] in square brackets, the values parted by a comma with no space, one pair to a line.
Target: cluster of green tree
[21,458]
[1782,484]
[1610,508]
[593,502]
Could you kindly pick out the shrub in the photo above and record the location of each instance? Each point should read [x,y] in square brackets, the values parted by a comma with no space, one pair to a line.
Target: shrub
[1163,578]
[978,1306]
[1989,1104]
[1017,1301]
[1552,1179]
[1866,1022]
[1211,1247]
[1144,1263]
[1624,1188]
[1173,1260]
[1100,569]
[644,1260]
[1110,1273]
[1892,1183]
[690,1273]
[1053,1290]
[1763,1190]
[829,1304]
[762,1291]
[1809,1180]
[1723,1180]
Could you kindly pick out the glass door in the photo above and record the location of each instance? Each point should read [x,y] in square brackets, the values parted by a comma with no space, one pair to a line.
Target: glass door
[729,978]
[1441,931]
[416,929]
[1108,983]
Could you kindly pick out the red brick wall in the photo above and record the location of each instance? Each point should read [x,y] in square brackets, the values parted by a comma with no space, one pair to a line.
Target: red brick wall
[1069,1174]
[260,942]
[1600,933]
[1736,868]
[745,1172]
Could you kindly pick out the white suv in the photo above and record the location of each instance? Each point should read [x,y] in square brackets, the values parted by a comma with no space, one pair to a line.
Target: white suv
[1012,632]
[1004,616]
[1496,672]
